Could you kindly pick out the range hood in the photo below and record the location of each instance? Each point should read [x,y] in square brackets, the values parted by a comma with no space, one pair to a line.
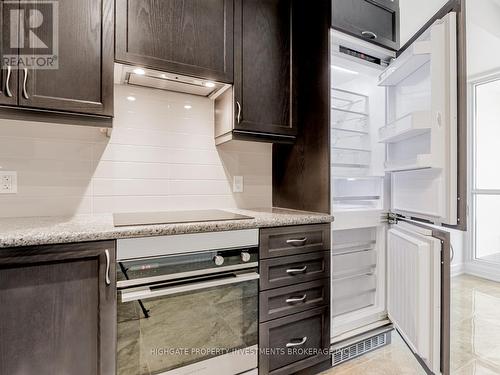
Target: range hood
[144,77]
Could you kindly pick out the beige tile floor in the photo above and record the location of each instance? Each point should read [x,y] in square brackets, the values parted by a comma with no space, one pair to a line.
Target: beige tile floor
[475,337]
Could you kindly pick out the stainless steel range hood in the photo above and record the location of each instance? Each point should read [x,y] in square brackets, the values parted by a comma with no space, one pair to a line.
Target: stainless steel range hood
[139,76]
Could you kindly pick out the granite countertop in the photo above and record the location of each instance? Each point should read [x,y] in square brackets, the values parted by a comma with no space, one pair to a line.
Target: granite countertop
[29,231]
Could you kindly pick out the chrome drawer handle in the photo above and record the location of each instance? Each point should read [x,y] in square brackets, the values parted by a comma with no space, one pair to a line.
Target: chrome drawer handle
[369,34]
[238,117]
[25,80]
[297,270]
[296,299]
[293,344]
[7,84]
[108,265]
[297,242]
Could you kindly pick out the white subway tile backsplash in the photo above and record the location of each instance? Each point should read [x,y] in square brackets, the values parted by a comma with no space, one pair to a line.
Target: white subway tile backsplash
[19,206]
[196,172]
[160,156]
[23,148]
[129,187]
[207,187]
[132,170]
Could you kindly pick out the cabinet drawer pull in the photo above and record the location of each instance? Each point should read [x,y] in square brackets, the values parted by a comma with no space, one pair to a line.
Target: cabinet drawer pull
[7,81]
[297,270]
[108,265]
[296,299]
[297,241]
[238,116]
[25,81]
[301,342]
[369,34]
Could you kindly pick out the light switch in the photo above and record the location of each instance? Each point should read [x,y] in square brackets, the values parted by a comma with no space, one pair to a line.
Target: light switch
[8,182]
[238,184]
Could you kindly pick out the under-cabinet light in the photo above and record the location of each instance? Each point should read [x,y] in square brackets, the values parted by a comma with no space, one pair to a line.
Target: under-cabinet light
[344,70]
[139,71]
[209,84]
[131,98]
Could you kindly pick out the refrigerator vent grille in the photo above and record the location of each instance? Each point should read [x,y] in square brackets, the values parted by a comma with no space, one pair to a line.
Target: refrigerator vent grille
[349,352]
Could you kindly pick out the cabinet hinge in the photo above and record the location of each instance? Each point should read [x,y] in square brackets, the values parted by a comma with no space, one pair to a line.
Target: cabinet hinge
[392,218]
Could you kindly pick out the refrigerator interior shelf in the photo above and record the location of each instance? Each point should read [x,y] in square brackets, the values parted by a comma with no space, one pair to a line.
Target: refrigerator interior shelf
[405,65]
[353,247]
[350,149]
[350,113]
[420,162]
[352,131]
[356,198]
[409,126]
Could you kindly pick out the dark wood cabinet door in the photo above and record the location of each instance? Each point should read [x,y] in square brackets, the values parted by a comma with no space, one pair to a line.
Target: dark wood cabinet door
[58,313]
[295,342]
[82,81]
[263,67]
[8,74]
[376,21]
[190,37]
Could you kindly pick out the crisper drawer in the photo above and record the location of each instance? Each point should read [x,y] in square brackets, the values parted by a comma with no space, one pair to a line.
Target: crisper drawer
[281,302]
[355,263]
[283,241]
[353,286]
[284,271]
[353,293]
[295,342]
[354,303]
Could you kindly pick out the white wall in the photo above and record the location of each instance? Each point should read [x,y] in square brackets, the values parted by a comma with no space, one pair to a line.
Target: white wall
[161,156]
[415,13]
[483,34]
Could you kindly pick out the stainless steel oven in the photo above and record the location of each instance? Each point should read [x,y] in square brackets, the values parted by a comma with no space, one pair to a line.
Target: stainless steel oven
[188,313]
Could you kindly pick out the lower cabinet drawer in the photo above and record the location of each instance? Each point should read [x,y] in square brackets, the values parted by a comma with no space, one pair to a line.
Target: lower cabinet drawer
[293,343]
[277,303]
[284,271]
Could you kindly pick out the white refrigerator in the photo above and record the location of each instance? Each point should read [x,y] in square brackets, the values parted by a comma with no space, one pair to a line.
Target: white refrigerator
[394,155]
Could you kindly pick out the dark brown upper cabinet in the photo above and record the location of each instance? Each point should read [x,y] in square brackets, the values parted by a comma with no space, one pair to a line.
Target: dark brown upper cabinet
[75,73]
[83,80]
[187,37]
[260,106]
[376,21]
[8,74]
[58,303]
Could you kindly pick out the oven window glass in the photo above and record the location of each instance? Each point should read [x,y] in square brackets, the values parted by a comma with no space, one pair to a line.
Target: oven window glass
[185,328]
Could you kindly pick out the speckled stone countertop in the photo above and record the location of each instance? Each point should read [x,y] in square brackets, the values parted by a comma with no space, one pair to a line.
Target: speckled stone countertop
[15,232]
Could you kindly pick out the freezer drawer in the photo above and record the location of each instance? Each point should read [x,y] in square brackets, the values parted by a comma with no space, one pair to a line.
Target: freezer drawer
[284,271]
[349,304]
[353,293]
[277,242]
[353,286]
[351,264]
[289,300]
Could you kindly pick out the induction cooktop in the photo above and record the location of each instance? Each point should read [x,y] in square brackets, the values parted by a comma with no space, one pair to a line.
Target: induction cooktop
[174,217]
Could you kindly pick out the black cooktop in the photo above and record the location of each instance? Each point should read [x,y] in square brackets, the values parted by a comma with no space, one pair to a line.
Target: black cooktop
[174,217]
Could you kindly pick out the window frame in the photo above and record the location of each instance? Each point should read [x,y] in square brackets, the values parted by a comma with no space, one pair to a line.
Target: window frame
[474,191]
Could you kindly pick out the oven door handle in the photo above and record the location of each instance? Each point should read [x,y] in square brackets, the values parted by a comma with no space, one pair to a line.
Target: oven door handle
[147,292]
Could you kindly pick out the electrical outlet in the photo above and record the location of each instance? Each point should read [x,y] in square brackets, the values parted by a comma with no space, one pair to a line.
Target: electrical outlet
[238,184]
[8,182]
